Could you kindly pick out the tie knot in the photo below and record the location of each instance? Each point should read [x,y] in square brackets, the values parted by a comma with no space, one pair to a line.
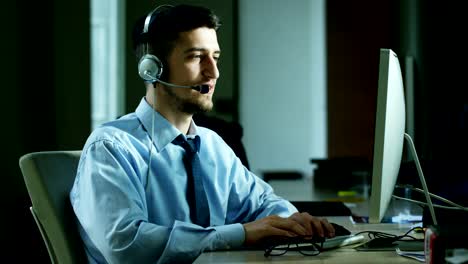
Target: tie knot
[190,145]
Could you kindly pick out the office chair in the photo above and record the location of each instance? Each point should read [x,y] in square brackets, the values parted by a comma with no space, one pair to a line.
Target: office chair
[49,177]
[231,132]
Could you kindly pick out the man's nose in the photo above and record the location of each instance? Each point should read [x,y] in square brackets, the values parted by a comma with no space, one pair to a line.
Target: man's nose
[211,68]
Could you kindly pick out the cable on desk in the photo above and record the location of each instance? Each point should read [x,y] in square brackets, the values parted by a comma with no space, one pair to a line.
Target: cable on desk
[387,238]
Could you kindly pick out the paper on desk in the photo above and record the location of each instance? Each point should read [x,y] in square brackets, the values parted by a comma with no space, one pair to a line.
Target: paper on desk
[417,255]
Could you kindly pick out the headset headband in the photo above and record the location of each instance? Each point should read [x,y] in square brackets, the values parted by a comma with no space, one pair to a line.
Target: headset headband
[148,17]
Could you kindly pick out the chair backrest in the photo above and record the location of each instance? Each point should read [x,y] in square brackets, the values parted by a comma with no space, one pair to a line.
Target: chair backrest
[49,177]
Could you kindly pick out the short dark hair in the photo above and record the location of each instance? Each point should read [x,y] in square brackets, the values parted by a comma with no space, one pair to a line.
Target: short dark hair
[165,26]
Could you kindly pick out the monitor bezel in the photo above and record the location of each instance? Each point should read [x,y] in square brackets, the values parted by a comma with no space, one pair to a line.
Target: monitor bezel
[389,134]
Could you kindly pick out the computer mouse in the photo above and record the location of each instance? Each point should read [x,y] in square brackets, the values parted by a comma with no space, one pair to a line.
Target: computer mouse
[340,230]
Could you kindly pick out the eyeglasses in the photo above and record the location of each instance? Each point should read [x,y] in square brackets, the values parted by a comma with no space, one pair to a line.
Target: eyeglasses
[306,247]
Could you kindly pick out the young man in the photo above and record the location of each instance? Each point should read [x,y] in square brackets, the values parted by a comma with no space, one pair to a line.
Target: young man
[137,197]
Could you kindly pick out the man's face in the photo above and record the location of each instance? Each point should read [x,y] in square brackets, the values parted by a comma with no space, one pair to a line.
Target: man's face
[193,61]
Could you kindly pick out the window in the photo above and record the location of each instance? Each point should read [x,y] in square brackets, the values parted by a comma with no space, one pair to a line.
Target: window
[107,60]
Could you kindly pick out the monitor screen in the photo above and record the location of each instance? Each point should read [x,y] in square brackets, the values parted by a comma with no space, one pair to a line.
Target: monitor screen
[389,134]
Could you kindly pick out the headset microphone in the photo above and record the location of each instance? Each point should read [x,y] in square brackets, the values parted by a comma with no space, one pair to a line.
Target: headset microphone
[203,88]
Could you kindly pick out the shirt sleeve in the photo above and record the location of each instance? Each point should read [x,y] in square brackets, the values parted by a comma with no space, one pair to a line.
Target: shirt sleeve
[251,198]
[109,201]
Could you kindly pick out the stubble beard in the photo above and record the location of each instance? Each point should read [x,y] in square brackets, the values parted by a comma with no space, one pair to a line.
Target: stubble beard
[188,105]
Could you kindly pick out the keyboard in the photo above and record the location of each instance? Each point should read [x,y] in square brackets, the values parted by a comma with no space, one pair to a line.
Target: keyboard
[343,237]
[340,230]
[328,243]
[341,241]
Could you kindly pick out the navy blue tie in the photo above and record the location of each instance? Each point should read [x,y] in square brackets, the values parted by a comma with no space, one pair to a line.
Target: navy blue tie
[196,195]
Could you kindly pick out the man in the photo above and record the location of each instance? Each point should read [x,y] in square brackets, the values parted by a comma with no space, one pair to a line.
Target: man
[135,195]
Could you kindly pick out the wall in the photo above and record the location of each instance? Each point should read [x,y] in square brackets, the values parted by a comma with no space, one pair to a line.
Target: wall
[356,31]
[45,86]
[432,34]
[282,83]
[441,96]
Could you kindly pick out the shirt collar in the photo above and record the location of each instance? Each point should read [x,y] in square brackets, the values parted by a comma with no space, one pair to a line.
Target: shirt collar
[164,132]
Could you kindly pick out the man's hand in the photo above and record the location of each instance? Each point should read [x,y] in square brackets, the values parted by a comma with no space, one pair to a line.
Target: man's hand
[272,225]
[298,224]
[314,225]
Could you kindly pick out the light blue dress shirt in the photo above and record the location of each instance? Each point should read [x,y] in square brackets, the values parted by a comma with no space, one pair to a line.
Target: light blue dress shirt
[129,213]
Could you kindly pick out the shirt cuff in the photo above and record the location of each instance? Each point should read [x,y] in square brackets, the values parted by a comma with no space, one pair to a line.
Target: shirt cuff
[232,235]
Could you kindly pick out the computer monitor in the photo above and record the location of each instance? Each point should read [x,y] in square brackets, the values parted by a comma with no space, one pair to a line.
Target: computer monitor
[389,134]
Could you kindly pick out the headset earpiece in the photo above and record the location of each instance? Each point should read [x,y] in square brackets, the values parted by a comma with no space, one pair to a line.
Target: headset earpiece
[150,68]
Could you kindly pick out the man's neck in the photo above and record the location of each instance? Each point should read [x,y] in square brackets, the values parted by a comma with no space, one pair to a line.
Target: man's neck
[180,120]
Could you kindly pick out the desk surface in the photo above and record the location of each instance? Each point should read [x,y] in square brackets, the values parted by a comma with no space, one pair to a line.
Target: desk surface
[341,255]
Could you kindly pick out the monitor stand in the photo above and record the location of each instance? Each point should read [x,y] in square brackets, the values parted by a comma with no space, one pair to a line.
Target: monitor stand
[421,177]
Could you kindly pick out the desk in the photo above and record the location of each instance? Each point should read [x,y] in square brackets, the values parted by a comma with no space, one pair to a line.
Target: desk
[340,255]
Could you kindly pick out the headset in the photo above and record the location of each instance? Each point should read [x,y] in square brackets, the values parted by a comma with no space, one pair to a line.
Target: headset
[150,67]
